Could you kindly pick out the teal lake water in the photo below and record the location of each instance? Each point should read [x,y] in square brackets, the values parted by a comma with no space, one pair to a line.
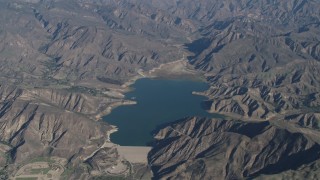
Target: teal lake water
[159,101]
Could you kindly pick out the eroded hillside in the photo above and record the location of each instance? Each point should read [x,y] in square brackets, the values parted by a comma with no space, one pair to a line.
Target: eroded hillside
[65,64]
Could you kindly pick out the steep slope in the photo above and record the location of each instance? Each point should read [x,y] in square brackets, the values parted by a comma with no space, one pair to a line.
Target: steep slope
[50,123]
[200,148]
[64,64]
[67,42]
[261,59]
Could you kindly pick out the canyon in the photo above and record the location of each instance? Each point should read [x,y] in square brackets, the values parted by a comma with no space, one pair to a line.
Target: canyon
[66,64]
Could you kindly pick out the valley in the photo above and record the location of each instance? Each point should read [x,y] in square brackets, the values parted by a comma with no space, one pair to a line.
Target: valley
[66,65]
[158,101]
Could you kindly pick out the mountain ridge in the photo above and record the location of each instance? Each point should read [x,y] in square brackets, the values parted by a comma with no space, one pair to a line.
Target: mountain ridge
[64,64]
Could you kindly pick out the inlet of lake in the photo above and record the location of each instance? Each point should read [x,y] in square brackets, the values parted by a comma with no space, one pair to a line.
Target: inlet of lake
[159,101]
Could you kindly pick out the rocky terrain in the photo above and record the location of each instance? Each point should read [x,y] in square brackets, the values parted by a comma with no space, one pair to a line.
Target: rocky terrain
[65,64]
[42,122]
[262,61]
[73,42]
[200,148]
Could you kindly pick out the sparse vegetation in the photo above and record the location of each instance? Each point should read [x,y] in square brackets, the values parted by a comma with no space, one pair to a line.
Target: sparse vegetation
[110,178]
[270,48]
[51,67]
[40,171]
[67,172]
[81,89]
[41,159]
[26,178]
[3,174]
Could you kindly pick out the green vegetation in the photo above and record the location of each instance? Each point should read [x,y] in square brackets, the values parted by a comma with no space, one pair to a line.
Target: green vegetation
[5,143]
[41,159]
[27,178]
[7,53]
[128,164]
[51,67]
[110,178]
[66,173]
[40,171]
[81,89]
[7,156]
[37,159]
[3,174]
[109,80]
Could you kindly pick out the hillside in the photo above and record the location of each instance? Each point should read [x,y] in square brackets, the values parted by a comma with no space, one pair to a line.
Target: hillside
[66,64]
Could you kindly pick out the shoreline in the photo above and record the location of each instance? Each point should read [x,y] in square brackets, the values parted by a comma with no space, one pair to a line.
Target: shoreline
[112,106]
[180,71]
[173,70]
[113,130]
[185,73]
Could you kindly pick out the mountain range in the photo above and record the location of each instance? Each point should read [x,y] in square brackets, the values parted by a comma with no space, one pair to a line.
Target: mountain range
[65,64]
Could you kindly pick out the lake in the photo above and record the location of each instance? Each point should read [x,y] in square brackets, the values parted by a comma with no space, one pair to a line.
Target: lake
[159,101]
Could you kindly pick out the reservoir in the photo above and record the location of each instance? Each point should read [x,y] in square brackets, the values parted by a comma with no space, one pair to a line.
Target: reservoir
[159,101]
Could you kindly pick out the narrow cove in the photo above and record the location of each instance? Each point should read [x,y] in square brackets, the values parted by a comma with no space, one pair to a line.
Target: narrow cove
[159,101]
